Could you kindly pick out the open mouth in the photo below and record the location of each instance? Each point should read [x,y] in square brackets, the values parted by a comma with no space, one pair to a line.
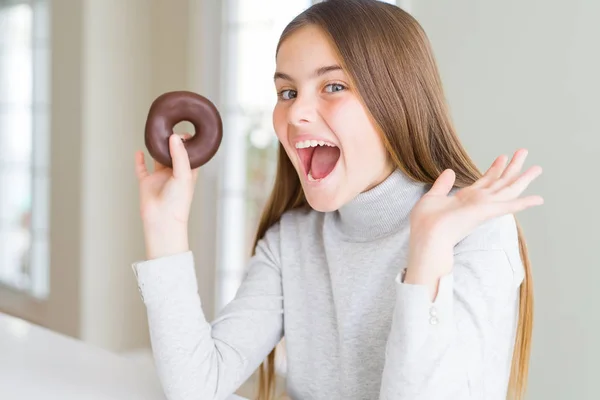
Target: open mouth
[318,158]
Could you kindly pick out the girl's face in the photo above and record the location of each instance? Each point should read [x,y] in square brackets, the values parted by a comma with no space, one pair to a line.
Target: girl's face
[323,125]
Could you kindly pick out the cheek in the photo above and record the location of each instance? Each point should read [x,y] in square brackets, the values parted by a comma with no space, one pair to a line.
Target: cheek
[342,115]
[280,123]
[358,137]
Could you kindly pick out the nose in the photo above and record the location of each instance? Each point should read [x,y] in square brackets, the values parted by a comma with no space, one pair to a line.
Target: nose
[303,110]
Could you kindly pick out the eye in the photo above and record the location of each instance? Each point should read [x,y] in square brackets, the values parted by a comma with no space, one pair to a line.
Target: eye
[334,87]
[287,94]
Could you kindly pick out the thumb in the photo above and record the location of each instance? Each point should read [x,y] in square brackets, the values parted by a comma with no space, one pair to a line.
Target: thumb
[443,184]
[179,155]
[195,174]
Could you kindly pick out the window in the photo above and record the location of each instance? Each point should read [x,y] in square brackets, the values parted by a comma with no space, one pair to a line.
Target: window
[24,145]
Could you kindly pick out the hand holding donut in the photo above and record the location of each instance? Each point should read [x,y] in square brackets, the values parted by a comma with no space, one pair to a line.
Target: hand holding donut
[165,199]
[166,193]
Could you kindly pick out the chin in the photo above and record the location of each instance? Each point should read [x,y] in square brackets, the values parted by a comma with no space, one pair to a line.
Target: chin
[323,200]
[321,204]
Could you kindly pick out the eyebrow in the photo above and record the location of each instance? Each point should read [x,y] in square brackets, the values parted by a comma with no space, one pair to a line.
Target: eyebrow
[319,72]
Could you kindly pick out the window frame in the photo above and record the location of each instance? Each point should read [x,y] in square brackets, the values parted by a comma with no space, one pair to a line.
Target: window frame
[60,310]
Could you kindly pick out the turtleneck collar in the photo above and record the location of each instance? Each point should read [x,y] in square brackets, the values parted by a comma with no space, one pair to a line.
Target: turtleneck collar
[379,211]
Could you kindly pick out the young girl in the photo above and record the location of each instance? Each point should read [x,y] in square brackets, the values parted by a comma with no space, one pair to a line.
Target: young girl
[392,267]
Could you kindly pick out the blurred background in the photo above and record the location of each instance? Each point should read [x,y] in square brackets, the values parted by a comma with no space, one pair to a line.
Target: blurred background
[77,78]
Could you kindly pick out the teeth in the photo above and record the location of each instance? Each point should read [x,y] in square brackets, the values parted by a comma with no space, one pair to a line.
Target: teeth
[310,178]
[312,143]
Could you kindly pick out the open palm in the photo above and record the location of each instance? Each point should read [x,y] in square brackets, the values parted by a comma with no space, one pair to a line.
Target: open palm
[496,193]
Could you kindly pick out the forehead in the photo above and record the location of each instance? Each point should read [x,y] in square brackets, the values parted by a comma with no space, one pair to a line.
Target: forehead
[306,48]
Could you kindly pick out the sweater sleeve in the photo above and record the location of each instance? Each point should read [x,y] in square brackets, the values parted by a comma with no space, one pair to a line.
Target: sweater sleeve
[459,346]
[200,360]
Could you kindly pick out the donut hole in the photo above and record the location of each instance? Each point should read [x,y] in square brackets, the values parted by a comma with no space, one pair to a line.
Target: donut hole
[184,127]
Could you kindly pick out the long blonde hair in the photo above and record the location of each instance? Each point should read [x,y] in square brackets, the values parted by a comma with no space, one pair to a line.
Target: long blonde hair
[388,58]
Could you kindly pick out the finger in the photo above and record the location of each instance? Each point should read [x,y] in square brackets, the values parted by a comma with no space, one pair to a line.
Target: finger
[511,172]
[525,203]
[519,185]
[493,173]
[498,209]
[195,174]
[443,184]
[181,161]
[186,136]
[140,166]
[517,205]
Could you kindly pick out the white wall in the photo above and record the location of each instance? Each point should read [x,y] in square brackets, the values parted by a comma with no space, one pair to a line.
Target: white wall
[134,51]
[117,81]
[524,73]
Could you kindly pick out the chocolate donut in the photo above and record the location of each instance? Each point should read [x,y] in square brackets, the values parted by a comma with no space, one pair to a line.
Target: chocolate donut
[173,107]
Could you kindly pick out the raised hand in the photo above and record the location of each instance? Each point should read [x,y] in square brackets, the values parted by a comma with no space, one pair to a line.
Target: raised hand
[165,199]
[440,220]
[496,193]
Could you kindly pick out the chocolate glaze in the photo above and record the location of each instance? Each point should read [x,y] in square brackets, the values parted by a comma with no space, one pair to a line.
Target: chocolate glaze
[173,107]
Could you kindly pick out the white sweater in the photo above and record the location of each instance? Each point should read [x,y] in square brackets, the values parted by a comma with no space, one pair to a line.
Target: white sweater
[331,284]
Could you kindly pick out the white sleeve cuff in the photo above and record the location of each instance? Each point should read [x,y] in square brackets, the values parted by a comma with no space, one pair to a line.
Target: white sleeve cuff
[418,310]
[165,277]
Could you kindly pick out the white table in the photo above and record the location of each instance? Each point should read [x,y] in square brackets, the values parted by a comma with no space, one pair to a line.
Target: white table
[38,364]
